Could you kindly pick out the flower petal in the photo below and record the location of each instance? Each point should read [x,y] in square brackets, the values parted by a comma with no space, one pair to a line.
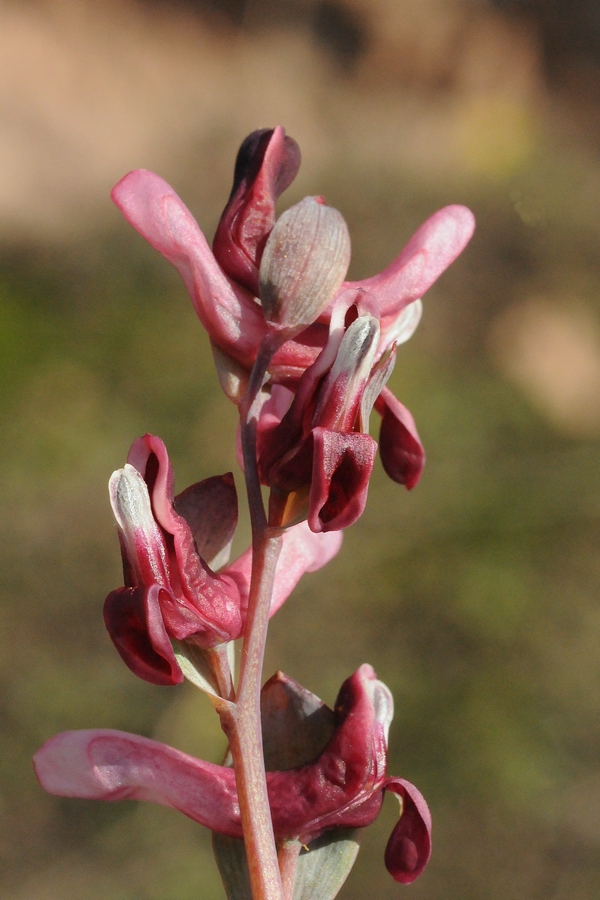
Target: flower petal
[103,764]
[400,446]
[232,319]
[301,552]
[199,596]
[342,787]
[342,466]
[429,252]
[134,621]
[266,164]
[409,847]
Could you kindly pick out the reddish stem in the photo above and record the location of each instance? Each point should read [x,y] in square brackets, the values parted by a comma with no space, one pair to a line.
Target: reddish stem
[242,723]
[288,857]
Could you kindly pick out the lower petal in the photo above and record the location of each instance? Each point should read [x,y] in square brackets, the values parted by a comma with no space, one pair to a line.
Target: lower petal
[409,847]
[342,466]
[134,621]
[400,446]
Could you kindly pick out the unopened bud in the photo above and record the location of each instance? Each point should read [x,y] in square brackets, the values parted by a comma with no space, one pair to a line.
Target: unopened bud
[304,262]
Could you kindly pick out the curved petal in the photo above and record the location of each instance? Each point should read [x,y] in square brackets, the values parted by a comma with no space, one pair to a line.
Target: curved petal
[210,509]
[134,621]
[231,317]
[409,847]
[342,787]
[301,551]
[103,764]
[266,164]
[429,252]
[342,466]
[400,447]
[399,329]
[200,596]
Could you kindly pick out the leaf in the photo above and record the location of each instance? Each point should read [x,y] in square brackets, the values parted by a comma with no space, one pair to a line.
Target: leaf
[321,872]
[231,859]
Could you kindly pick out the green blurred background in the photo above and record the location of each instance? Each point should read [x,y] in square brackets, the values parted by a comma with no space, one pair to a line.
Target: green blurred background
[476,596]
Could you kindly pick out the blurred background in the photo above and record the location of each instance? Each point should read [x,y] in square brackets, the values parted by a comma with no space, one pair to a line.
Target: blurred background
[476,596]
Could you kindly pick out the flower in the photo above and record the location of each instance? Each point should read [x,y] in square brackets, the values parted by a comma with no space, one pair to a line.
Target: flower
[318,463]
[223,285]
[314,450]
[342,786]
[168,546]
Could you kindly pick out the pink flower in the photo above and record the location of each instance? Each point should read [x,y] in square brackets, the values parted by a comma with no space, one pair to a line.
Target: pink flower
[319,463]
[223,286]
[341,787]
[168,547]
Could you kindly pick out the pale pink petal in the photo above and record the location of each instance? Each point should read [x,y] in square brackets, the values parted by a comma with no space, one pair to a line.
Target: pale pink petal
[302,551]
[429,252]
[103,764]
[231,317]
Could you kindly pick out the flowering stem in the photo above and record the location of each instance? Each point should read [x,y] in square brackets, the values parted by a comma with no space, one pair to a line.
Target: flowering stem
[242,724]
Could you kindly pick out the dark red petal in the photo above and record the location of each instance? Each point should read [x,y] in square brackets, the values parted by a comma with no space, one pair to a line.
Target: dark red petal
[342,788]
[342,466]
[134,621]
[400,447]
[210,509]
[202,603]
[409,847]
[266,164]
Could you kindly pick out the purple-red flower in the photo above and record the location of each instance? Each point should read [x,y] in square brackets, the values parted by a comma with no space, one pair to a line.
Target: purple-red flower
[318,459]
[314,449]
[168,546]
[224,285]
[341,787]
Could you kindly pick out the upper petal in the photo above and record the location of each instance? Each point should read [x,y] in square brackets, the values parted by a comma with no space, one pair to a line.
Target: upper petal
[266,164]
[231,317]
[429,252]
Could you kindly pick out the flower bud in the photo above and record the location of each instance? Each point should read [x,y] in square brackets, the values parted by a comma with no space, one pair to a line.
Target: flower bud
[304,262]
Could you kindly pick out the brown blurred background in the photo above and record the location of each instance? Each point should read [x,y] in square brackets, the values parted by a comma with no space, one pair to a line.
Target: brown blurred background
[476,596]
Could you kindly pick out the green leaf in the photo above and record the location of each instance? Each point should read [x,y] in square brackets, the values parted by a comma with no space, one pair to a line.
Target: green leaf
[321,872]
